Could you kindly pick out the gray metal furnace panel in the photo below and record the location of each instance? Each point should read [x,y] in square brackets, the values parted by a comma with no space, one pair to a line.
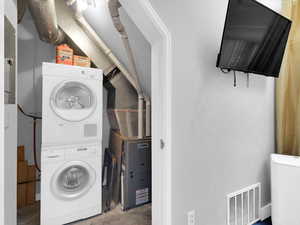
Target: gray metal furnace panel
[136,189]
[136,174]
[137,155]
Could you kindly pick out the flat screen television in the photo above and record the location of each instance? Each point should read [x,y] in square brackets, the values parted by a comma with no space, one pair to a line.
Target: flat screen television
[254,39]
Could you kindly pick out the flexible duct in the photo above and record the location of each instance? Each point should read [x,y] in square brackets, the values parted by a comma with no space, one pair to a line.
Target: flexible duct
[114,6]
[44,16]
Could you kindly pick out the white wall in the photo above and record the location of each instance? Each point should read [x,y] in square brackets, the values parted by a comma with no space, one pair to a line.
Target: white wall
[222,136]
[31,53]
[274,4]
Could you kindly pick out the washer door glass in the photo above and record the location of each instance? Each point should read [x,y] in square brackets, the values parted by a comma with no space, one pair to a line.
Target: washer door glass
[73,101]
[73,180]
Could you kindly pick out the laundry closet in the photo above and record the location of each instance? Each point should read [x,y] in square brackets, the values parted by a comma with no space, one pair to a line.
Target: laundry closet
[79,88]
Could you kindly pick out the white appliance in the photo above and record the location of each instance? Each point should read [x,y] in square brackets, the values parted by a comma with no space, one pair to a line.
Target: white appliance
[70,184]
[285,174]
[10,164]
[72,105]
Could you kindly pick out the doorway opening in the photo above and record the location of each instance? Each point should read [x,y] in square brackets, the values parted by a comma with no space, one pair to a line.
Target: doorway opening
[160,51]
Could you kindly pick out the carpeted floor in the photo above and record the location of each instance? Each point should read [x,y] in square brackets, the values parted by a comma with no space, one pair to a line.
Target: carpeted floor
[266,222]
[139,216]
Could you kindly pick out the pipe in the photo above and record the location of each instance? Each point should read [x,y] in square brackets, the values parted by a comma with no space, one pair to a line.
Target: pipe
[34,118]
[148,116]
[34,147]
[141,96]
[114,6]
[97,40]
[44,16]
[94,36]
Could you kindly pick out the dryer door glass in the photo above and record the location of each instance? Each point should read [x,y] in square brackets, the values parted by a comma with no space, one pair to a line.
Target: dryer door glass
[73,95]
[73,101]
[72,182]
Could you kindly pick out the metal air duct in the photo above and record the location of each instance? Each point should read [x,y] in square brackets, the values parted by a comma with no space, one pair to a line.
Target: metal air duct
[122,105]
[114,6]
[44,16]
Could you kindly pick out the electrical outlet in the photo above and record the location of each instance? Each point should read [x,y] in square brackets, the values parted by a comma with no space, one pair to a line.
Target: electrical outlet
[191,217]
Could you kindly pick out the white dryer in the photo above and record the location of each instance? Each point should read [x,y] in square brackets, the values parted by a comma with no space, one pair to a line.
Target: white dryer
[70,184]
[72,105]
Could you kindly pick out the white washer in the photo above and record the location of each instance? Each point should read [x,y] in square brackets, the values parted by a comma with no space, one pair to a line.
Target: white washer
[70,184]
[72,105]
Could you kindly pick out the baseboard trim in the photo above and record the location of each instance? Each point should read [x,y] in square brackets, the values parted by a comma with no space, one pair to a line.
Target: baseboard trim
[266,212]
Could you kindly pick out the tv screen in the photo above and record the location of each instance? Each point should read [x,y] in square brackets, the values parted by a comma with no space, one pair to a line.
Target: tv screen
[254,39]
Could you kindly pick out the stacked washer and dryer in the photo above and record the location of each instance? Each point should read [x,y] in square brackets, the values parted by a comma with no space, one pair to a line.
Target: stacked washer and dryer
[71,160]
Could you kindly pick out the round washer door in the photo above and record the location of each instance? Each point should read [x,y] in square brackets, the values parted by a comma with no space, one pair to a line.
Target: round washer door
[73,101]
[73,180]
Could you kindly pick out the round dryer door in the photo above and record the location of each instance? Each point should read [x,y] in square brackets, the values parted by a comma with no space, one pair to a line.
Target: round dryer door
[73,180]
[73,101]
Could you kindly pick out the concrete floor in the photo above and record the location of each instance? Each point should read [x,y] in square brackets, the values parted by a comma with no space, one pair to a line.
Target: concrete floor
[29,215]
[139,216]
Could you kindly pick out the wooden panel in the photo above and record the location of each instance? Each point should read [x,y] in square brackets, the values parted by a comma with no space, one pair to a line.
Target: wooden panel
[31,176]
[30,193]
[21,153]
[22,171]
[21,195]
[116,145]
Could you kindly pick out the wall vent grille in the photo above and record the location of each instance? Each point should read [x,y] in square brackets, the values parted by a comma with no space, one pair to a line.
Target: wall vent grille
[243,206]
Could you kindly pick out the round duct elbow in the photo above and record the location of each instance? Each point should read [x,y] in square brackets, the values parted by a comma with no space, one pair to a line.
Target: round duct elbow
[44,16]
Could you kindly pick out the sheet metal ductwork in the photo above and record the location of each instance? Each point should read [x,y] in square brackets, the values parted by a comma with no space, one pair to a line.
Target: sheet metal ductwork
[122,106]
[44,16]
[114,6]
